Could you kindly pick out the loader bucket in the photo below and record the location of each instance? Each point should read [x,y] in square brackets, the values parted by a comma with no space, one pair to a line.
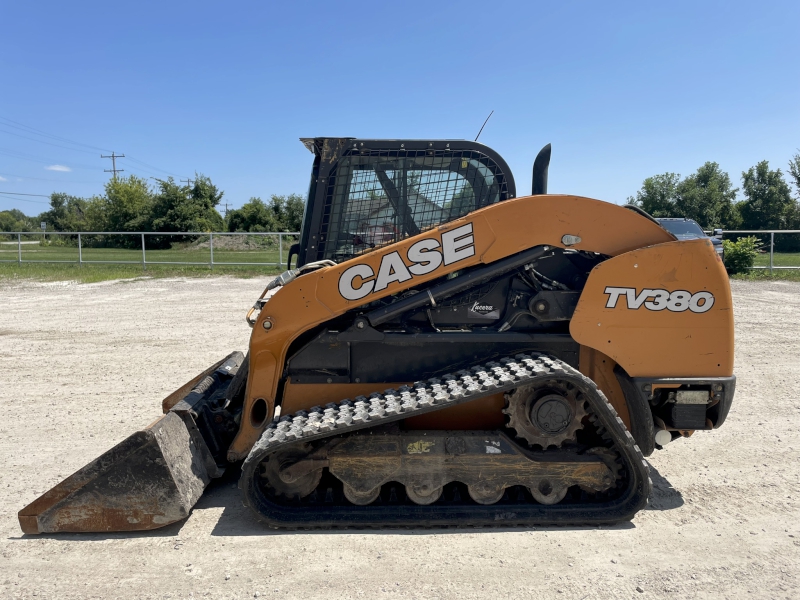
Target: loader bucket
[151,479]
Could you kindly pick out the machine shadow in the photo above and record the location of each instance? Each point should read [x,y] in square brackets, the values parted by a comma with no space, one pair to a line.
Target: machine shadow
[171,530]
[237,520]
[664,495]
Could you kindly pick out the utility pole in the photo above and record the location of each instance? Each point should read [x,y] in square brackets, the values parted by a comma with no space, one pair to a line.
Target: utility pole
[113,168]
[188,182]
[226,210]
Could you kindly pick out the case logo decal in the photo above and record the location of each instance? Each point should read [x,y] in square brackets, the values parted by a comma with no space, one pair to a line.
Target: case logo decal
[425,256]
[677,301]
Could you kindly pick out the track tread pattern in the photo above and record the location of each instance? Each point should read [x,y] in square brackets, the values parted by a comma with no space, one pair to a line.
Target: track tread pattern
[392,405]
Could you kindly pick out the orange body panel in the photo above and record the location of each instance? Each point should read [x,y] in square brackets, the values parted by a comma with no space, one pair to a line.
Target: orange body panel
[480,414]
[302,396]
[600,368]
[663,328]
[499,230]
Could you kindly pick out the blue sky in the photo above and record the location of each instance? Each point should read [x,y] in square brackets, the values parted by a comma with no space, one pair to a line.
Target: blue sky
[622,90]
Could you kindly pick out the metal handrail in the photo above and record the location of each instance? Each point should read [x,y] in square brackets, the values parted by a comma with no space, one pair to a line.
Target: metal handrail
[144,262]
[771,233]
[212,263]
[760,231]
[149,232]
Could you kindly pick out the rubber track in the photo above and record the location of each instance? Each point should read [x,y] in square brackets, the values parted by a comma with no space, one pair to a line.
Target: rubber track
[436,394]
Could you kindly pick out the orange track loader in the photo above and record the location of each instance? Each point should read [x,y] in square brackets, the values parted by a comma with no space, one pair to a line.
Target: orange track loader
[441,353]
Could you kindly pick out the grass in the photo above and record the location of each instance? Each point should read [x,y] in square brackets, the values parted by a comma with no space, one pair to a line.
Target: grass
[764,275]
[185,254]
[780,259]
[60,262]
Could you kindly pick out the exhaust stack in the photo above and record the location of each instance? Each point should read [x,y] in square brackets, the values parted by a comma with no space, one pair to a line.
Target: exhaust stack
[540,166]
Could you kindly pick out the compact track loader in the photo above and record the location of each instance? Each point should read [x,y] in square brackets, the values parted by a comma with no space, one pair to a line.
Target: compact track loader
[441,353]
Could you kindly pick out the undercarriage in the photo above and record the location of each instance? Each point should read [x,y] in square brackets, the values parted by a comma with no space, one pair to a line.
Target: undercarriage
[568,457]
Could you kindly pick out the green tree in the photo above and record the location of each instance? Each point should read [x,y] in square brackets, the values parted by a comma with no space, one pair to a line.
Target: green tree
[15,220]
[462,202]
[659,195]
[769,204]
[793,217]
[67,213]
[708,197]
[185,208]
[128,204]
[295,206]
[95,214]
[794,171]
[282,213]
[768,199]
[254,215]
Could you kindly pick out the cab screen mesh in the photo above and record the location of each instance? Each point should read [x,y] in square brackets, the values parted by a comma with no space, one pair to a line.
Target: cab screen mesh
[379,197]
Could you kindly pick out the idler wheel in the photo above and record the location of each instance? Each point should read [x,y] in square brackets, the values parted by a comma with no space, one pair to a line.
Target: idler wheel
[277,483]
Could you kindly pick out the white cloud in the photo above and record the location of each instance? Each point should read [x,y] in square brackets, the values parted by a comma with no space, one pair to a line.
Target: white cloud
[61,168]
[3,178]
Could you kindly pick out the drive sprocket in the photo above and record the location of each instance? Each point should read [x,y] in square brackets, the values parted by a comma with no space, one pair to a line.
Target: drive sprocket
[547,414]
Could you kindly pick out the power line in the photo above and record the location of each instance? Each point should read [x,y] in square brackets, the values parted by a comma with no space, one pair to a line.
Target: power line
[144,164]
[22,194]
[25,200]
[43,142]
[113,168]
[46,179]
[34,158]
[143,172]
[34,131]
[27,128]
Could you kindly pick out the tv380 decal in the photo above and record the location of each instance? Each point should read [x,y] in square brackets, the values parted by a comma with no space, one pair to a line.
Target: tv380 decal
[425,256]
[653,299]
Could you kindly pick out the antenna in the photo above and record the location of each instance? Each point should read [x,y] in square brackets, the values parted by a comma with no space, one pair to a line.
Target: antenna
[484,125]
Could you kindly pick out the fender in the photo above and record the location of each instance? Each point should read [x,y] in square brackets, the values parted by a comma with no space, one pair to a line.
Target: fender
[661,311]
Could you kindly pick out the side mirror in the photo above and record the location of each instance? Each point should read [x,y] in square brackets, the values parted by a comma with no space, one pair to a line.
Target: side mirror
[718,233]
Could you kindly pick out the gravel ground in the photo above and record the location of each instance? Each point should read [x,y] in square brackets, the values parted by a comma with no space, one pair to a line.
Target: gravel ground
[84,366]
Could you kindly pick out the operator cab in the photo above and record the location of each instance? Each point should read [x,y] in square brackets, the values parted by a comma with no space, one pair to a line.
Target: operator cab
[369,193]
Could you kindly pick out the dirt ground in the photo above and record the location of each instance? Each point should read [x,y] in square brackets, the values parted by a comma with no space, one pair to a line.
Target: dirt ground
[84,366]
